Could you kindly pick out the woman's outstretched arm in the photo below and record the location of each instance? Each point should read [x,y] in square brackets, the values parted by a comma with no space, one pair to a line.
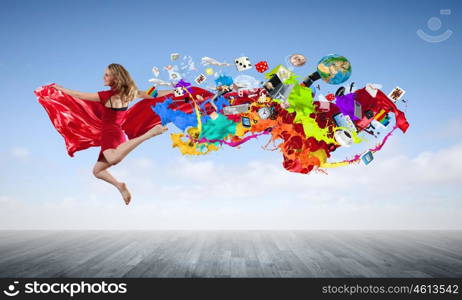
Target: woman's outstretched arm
[160,93]
[77,94]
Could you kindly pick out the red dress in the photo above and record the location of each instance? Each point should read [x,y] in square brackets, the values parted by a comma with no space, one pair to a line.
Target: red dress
[85,124]
[112,134]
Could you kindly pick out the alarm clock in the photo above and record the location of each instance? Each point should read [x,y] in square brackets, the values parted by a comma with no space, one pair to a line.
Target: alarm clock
[264,113]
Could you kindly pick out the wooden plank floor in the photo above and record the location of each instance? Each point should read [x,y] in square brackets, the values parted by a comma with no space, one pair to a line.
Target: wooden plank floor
[230,254]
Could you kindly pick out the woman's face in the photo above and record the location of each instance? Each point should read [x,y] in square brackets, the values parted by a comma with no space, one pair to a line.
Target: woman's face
[108,78]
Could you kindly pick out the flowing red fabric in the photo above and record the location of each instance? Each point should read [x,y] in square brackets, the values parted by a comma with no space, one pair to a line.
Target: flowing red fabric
[382,102]
[80,121]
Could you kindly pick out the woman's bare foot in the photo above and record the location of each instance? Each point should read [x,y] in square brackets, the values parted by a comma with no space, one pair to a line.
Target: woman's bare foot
[125,193]
[156,130]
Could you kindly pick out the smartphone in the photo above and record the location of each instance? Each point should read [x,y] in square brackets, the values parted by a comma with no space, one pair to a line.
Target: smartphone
[358,110]
[245,122]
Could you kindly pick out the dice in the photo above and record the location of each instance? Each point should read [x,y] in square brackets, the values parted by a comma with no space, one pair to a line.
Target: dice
[178,92]
[242,63]
[261,66]
[330,97]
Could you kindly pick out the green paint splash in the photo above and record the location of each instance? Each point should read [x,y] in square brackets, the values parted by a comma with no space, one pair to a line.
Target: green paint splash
[301,102]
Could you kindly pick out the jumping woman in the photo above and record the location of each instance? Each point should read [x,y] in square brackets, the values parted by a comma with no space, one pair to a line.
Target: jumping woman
[114,144]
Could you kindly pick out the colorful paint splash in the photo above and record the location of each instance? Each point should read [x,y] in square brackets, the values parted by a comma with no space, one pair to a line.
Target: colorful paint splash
[304,130]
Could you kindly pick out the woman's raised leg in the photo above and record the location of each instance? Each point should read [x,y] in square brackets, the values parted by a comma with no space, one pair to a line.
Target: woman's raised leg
[114,156]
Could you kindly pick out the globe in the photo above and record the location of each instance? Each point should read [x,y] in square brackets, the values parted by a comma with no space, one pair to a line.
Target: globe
[334,69]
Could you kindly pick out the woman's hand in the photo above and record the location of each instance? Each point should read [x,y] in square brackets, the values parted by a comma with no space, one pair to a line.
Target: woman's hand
[164,92]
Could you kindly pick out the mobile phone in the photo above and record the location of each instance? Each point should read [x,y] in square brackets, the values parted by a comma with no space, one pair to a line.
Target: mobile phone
[245,122]
[358,110]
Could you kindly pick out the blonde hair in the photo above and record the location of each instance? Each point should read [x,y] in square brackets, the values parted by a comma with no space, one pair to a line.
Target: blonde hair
[123,83]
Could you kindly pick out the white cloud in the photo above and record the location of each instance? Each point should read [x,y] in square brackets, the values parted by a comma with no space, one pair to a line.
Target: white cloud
[110,214]
[448,129]
[393,192]
[20,153]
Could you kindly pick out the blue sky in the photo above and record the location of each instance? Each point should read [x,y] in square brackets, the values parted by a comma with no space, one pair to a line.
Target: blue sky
[71,43]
